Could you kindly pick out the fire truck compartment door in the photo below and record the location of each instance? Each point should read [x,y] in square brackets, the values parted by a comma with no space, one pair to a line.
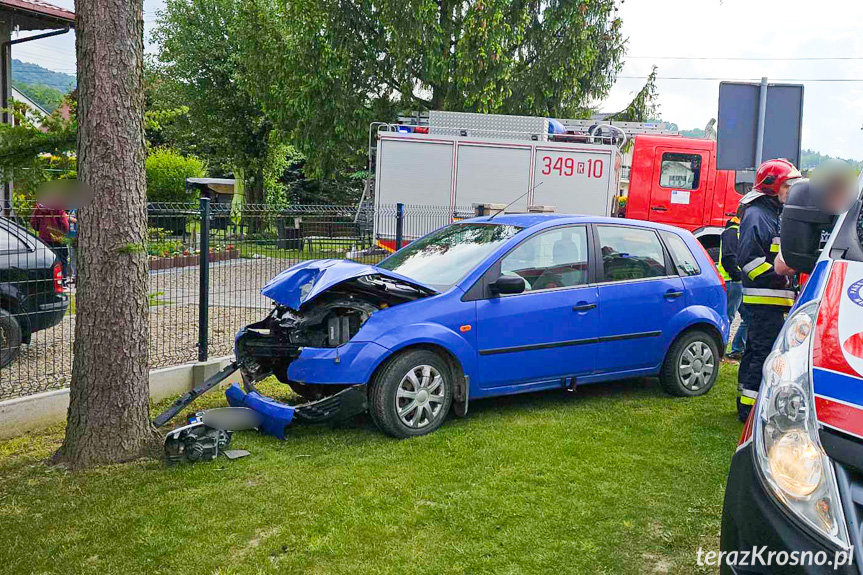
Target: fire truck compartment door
[679,186]
[414,171]
[493,174]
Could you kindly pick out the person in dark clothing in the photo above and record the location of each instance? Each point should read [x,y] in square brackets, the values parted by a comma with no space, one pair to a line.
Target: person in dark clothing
[767,293]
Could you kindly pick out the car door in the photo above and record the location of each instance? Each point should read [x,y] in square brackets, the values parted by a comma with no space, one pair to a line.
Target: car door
[548,332]
[639,293]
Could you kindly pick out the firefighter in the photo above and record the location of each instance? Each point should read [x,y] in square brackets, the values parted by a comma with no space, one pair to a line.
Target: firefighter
[730,272]
[767,294]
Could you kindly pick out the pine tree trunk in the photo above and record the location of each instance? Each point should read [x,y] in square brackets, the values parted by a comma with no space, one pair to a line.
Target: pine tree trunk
[108,418]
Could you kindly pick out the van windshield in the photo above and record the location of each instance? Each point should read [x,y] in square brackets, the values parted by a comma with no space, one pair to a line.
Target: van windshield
[443,257]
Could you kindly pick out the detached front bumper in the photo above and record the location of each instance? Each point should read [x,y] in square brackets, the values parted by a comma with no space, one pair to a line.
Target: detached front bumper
[751,519]
[276,416]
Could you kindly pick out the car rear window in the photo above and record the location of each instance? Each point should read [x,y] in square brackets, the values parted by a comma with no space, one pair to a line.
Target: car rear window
[9,243]
[684,262]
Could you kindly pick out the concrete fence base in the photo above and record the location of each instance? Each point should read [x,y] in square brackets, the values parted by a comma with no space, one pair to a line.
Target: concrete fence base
[34,412]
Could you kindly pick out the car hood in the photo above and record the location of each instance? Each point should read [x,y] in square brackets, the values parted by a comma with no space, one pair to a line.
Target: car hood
[303,282]
[837,352]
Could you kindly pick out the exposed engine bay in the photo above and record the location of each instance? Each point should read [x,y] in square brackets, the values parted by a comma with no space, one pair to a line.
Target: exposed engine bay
[328,321]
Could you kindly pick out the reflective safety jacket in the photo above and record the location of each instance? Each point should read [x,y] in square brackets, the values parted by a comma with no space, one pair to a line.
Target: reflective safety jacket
[727,266]
[757,249]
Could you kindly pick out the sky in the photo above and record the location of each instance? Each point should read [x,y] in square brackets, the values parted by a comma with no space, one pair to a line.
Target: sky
[695,29]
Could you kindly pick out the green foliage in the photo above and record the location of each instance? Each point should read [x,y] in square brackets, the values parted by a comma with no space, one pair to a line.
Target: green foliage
[643,106]
[198,67]
[49,98]
[31,156]
[324,69]
[167,171]
[29,73]
[694,133]
[131,248]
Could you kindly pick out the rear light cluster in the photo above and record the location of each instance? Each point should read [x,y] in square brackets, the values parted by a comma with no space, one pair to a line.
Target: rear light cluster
[57,277]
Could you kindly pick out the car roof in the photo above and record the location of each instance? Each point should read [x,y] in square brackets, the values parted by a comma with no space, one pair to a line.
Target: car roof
[527,220]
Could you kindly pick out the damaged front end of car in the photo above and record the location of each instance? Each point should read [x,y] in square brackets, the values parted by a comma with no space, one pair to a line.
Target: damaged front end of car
[306,340]
[319,307]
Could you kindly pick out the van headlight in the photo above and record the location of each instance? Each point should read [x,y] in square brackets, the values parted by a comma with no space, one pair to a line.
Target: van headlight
[788,453]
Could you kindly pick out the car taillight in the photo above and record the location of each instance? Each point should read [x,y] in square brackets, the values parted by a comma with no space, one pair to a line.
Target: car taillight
[57,276]
[713,263]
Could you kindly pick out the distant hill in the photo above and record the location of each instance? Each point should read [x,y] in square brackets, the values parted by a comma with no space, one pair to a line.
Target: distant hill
[34,74]
[810,158]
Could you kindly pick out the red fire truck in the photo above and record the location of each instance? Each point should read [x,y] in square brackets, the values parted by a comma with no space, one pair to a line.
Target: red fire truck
[462,161]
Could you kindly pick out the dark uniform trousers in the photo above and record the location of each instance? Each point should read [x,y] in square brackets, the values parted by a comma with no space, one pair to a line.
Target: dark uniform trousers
[766,323]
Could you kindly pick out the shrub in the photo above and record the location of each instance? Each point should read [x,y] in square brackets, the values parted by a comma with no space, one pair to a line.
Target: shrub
[167,171]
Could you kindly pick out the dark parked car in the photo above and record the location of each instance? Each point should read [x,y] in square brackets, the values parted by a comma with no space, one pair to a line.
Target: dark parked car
[31,289]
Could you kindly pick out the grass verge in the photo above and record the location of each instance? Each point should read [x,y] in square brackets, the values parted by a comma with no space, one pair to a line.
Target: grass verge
[616,478]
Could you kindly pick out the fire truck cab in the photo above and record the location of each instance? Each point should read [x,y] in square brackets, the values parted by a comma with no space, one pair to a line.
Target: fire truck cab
[674,180]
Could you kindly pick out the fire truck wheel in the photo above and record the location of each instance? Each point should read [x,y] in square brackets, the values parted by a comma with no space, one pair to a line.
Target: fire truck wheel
[692,364]
[412,394]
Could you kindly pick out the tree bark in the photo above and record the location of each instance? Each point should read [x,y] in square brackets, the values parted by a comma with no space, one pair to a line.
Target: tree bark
[108,417]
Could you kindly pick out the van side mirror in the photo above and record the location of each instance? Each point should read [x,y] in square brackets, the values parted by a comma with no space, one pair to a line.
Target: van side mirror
[507,285]
[802,224]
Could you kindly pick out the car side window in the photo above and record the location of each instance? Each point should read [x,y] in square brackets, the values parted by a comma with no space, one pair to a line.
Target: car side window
[9,243]
[684,262]
[630,253]
[556,258]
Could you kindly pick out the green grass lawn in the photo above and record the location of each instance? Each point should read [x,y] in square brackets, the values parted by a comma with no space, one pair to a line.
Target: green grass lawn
[616,478]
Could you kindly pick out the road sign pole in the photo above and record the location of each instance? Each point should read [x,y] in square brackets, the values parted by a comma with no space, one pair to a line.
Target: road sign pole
[762,119]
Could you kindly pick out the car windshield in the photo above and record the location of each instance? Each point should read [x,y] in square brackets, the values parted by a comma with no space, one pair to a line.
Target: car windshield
[443,257]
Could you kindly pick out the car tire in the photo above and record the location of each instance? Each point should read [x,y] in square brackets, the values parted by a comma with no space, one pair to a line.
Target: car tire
[691,365]
[10,338]
[407,378]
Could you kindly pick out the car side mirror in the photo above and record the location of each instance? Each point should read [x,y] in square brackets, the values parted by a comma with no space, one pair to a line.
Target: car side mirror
[507,285]
[802,224]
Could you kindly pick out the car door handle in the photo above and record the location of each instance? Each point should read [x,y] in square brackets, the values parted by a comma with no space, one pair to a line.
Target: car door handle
[673,294]
[583,306]
[659,209]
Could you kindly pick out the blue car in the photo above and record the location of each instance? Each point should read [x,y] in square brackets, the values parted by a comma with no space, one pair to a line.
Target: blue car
[493,306]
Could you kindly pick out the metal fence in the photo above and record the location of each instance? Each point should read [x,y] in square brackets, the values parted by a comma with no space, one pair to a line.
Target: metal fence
[207,266]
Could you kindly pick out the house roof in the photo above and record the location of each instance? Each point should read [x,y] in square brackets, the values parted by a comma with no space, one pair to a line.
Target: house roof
[39,14]
[20,96]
